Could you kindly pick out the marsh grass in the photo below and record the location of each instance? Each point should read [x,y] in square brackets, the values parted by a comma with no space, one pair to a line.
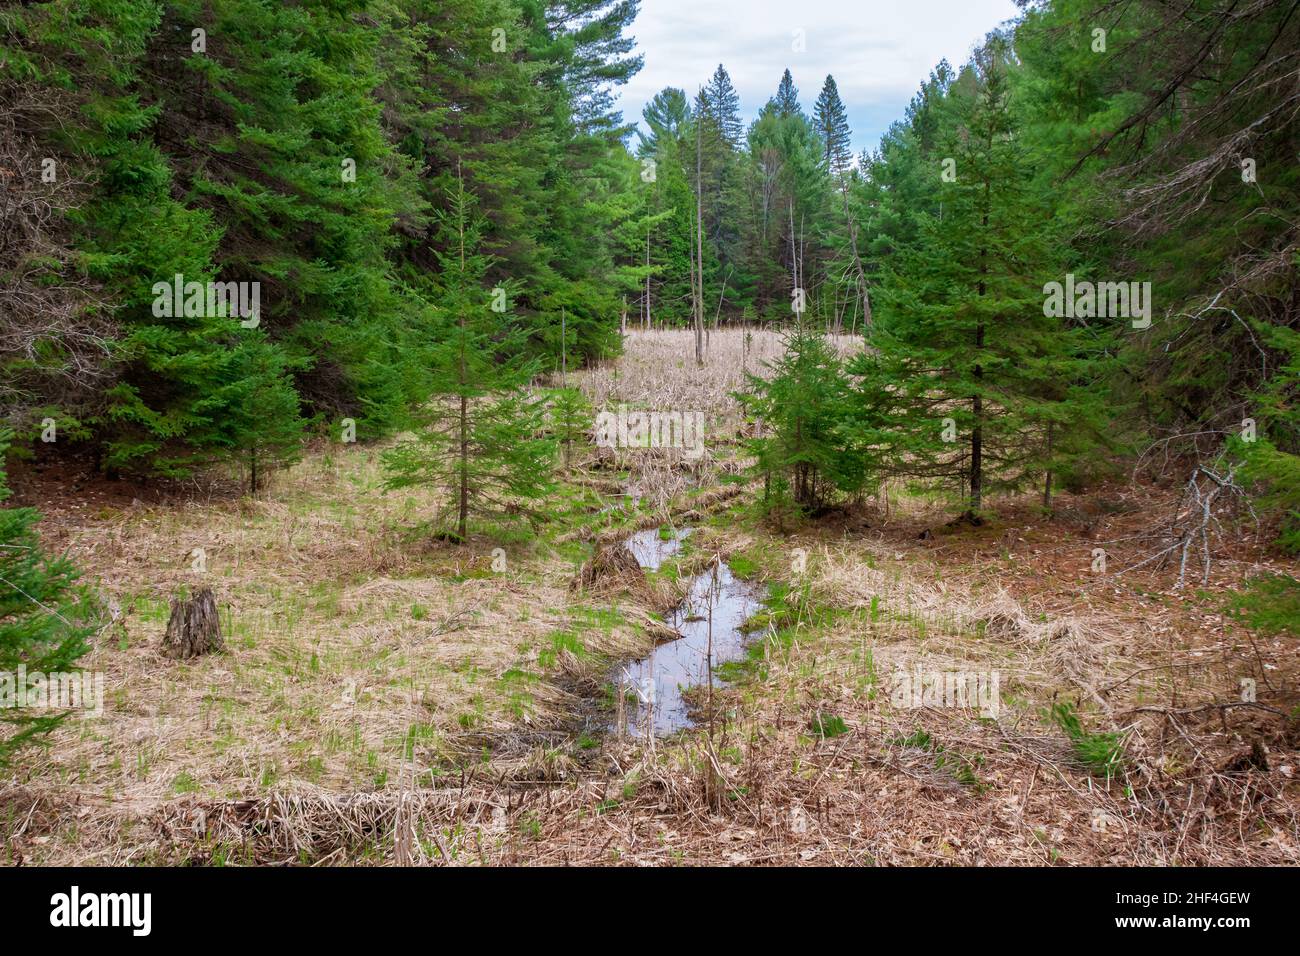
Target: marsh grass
[346,627]
[378,683]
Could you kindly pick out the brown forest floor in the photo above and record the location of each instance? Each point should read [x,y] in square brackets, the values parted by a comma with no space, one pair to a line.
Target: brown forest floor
[389,699]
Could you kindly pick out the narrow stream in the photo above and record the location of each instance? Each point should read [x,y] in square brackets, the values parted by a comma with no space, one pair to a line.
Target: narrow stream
[660,678]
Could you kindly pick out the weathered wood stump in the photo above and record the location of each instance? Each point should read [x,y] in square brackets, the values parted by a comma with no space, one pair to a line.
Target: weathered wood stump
[194,627]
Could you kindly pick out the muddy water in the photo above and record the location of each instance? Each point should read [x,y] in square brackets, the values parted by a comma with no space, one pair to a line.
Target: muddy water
[659,679]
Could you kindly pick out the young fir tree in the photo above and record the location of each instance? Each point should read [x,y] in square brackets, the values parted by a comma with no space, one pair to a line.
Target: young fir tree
[568,408]
[571,420]
[804,407]
[480,434]
[266,429]
[44,618]
[985,386]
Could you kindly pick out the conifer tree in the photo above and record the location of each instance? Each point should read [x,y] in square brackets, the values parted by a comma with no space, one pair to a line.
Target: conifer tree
[571,420]
[988,389]
[832,125]
[786,100]
[45,618]
[1272,455]
[666,210]
[275,131]
[805,408]
[668,114]
[785,232]
[831,121]
[480,435]
[723,103]
[722,131]
[266,429]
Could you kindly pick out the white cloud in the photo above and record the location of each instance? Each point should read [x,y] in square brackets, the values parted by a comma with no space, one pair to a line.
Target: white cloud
[879,51]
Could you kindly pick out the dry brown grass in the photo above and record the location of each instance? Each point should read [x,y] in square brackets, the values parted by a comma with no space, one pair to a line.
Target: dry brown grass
[342,727]
[657,372]
[351,638]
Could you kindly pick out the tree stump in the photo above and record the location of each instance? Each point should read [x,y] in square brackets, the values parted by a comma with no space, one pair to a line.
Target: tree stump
[194,627]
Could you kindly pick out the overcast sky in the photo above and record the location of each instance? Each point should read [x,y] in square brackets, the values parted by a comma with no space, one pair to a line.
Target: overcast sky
[879,51]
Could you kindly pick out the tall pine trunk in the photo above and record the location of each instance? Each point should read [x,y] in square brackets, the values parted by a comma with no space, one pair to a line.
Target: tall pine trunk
[699,245]
[977,400]
[462,517]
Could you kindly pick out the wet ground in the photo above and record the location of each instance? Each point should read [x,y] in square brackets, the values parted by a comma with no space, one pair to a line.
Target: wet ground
[709,620]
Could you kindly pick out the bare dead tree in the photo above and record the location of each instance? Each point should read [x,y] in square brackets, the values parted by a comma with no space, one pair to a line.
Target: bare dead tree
[1210,494]
[55,329]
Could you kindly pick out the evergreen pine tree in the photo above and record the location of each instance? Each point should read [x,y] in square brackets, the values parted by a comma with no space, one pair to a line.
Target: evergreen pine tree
[45,618]
[805,407]
[831,122]
[668,114]
[724,105]
[272,127]
[786,100]
[986,387]
[571,420]
[266,430]
[480,434]
[832,125]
